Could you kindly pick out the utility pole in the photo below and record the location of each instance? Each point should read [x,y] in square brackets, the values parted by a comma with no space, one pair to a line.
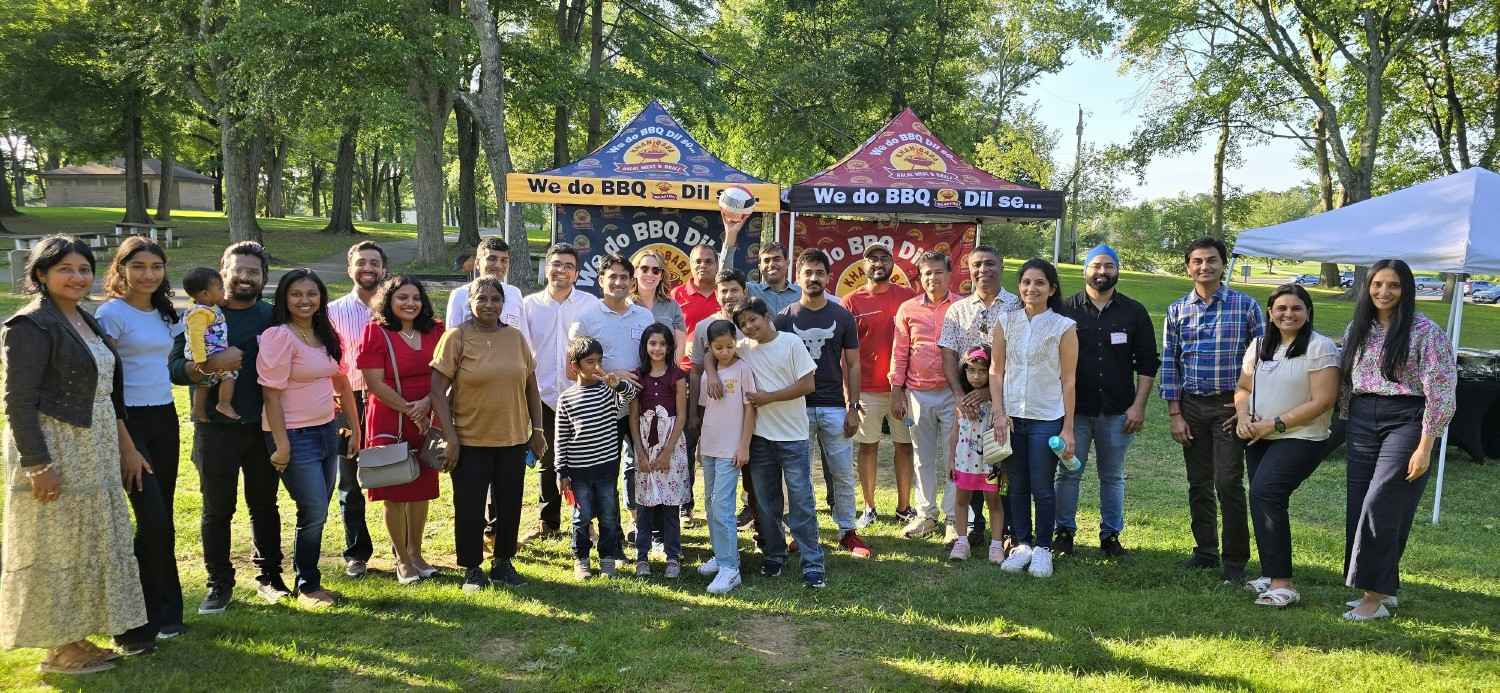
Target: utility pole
[1077,171]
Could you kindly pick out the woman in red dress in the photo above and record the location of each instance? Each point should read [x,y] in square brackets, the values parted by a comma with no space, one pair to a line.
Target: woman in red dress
[402,326]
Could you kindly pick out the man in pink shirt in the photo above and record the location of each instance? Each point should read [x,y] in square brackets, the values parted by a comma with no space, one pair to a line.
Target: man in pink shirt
[874,308]
[919,392]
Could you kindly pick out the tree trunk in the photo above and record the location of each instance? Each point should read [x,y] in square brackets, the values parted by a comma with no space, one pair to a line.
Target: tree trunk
[7,206]
[1328,271]
[1221,147]
[19,181]
[341,213]
[427,187]
[596,61]
[315,197]
[41,185]
[135,182]
[166,181]
[468,158]
[374,178]
[275,181]
[488,109]
[393,196]
[218,175]
[241,152]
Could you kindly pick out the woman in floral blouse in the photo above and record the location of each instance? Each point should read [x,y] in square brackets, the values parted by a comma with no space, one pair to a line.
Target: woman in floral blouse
[1399,378]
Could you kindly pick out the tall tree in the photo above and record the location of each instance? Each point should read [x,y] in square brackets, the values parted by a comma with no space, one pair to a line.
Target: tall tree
[431,84]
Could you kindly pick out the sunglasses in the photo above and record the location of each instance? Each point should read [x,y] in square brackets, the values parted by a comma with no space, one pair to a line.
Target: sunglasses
[650,270]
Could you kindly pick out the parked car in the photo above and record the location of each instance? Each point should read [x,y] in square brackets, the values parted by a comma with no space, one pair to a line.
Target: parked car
[1307,279]
[1490,295]
[1346,279]
[1429,284]
[1474,285]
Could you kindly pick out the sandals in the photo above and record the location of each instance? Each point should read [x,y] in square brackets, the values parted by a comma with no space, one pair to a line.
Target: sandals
[1258,585]
[1280,598]
[73,659]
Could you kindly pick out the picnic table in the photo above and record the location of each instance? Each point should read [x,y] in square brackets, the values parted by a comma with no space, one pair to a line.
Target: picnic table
[151,230]
[26,242]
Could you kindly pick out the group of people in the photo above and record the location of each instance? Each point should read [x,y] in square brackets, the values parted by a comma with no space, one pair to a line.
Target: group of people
[738,377]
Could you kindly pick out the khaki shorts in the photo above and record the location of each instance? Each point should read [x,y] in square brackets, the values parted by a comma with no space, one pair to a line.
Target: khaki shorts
[877,407]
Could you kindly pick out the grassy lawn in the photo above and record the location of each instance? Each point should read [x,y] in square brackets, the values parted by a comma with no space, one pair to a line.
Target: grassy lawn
[906,620]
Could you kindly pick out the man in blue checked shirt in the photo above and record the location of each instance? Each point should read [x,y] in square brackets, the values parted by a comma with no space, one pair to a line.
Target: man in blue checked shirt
[1206,334]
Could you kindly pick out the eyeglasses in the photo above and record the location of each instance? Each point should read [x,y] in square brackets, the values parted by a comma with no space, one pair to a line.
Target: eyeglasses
[650,270]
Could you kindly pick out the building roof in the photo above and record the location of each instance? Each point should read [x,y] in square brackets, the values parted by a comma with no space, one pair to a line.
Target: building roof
[150,168]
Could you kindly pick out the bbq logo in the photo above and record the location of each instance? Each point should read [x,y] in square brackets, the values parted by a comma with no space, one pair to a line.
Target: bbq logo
[678,267]
[916,161]
[652,154]
[946,197]
[663,191]
[854,277]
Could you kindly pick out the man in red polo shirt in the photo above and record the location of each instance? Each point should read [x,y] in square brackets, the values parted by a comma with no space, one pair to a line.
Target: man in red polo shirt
[874,307]
[696,295]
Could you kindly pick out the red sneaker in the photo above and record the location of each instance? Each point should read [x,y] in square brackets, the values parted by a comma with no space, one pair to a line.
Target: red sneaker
[854,545]
[791,546]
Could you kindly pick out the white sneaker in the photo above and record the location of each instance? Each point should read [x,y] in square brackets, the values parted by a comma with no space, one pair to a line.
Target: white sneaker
[727,579]
[1019,558]
[1041,562]
[960,550]
[709,567]
[866,518]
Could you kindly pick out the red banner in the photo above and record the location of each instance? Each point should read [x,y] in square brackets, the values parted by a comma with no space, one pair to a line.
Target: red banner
[845,240]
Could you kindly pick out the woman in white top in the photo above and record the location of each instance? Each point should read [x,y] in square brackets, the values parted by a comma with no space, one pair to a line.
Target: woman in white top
[1284,403]
[1031,389]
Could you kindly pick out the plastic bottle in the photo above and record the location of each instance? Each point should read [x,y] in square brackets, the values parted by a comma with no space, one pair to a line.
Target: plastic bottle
[1071,462]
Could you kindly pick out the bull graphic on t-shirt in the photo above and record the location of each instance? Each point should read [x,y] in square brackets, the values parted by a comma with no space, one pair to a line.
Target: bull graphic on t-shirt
[814,338]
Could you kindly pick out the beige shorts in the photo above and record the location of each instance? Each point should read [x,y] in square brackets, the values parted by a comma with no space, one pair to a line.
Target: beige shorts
[877,407]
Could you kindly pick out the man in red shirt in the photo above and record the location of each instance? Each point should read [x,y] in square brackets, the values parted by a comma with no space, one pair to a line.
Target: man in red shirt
[696,296]
[874,307]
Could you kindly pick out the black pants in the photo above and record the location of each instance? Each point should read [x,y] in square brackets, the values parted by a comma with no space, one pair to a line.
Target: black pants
[221,452]
[1383,434]
[551,501]
[1277,468]
[156,435]
[357,546]
[483,473]
[1216,479]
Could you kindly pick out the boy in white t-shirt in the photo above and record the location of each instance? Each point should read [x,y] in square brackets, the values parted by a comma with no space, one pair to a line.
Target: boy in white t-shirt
[779,450]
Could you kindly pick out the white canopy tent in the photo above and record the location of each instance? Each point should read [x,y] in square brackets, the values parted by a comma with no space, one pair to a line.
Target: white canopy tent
[1451,224]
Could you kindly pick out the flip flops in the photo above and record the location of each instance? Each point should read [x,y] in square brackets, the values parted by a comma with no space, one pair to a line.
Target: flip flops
[1280,598]
[1380,612]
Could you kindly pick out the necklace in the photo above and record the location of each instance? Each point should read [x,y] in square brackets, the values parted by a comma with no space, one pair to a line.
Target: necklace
[409,335]
[305,338]
[490,331]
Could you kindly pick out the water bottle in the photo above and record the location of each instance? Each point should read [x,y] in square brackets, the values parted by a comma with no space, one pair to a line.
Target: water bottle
[1070,462]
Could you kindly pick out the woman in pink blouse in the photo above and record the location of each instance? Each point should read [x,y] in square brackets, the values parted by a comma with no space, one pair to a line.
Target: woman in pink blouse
[1399,378]
[300,368]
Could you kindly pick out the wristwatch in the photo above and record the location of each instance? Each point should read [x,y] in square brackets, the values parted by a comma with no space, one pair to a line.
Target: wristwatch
[1280,425]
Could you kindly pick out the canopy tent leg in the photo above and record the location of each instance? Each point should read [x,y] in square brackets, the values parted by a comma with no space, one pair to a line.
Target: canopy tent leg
[776,227]
[791,237]
[1455,329]
[1057,242]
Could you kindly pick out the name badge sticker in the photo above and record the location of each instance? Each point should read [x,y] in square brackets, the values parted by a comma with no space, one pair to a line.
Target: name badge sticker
[1118,337]
[635,332]
[1269,365]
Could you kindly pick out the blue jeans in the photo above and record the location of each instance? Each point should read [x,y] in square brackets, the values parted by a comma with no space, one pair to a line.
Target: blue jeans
[1031,466]
[597,499]
[771,462]
[721,482]
[1103,432]
[826,425]
[310,479]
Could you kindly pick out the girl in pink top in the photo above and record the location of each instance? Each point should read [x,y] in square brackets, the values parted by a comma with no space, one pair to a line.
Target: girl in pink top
[301,369]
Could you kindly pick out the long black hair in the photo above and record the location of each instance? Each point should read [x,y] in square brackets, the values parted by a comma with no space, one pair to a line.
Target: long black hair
[46,254]
[1055,300]
[666,333]
[1397,334]
[116,286]
[384,314]
[322,326]
[1272,339]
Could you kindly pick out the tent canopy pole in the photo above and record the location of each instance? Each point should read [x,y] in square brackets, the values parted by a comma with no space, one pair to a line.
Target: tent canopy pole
[1455,330]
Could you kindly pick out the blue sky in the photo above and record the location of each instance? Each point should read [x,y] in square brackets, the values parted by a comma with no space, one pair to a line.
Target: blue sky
[1111,105]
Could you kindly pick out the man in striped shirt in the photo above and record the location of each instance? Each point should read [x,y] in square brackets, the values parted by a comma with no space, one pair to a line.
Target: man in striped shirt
[1205,337]
[349,315]
[587,452]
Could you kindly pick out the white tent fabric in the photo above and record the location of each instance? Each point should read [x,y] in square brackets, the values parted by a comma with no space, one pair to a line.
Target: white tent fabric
[1451,224]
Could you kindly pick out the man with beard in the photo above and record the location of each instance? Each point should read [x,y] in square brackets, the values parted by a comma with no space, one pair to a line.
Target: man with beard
[697,296]
[493,260]
[1204,341]
[874,308]
[832,340]
[223,448]
[970,323]
[349,315]
[549,314]
[1117,364]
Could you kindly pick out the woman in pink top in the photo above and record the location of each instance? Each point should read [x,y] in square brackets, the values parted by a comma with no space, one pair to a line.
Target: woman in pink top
[300,368]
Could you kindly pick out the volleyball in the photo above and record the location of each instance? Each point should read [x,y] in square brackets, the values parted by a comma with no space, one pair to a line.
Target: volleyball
[736,201]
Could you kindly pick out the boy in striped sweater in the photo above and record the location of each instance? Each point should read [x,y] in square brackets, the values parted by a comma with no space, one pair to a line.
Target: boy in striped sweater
[587,453]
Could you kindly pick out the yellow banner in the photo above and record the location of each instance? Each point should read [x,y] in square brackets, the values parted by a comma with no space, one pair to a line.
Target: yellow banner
[630,192]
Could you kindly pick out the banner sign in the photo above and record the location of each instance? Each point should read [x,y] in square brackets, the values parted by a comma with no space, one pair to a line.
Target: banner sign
[597,231]
[634,192]
[845,241]
[866,199]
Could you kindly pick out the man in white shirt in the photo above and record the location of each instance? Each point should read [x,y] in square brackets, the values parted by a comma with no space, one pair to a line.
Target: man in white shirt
[492,258]
[349,315]
[549,314]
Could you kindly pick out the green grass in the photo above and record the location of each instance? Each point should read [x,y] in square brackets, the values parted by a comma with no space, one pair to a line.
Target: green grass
[906,620]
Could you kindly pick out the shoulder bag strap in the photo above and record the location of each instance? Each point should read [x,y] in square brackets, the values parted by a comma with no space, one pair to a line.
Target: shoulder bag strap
[390,351]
